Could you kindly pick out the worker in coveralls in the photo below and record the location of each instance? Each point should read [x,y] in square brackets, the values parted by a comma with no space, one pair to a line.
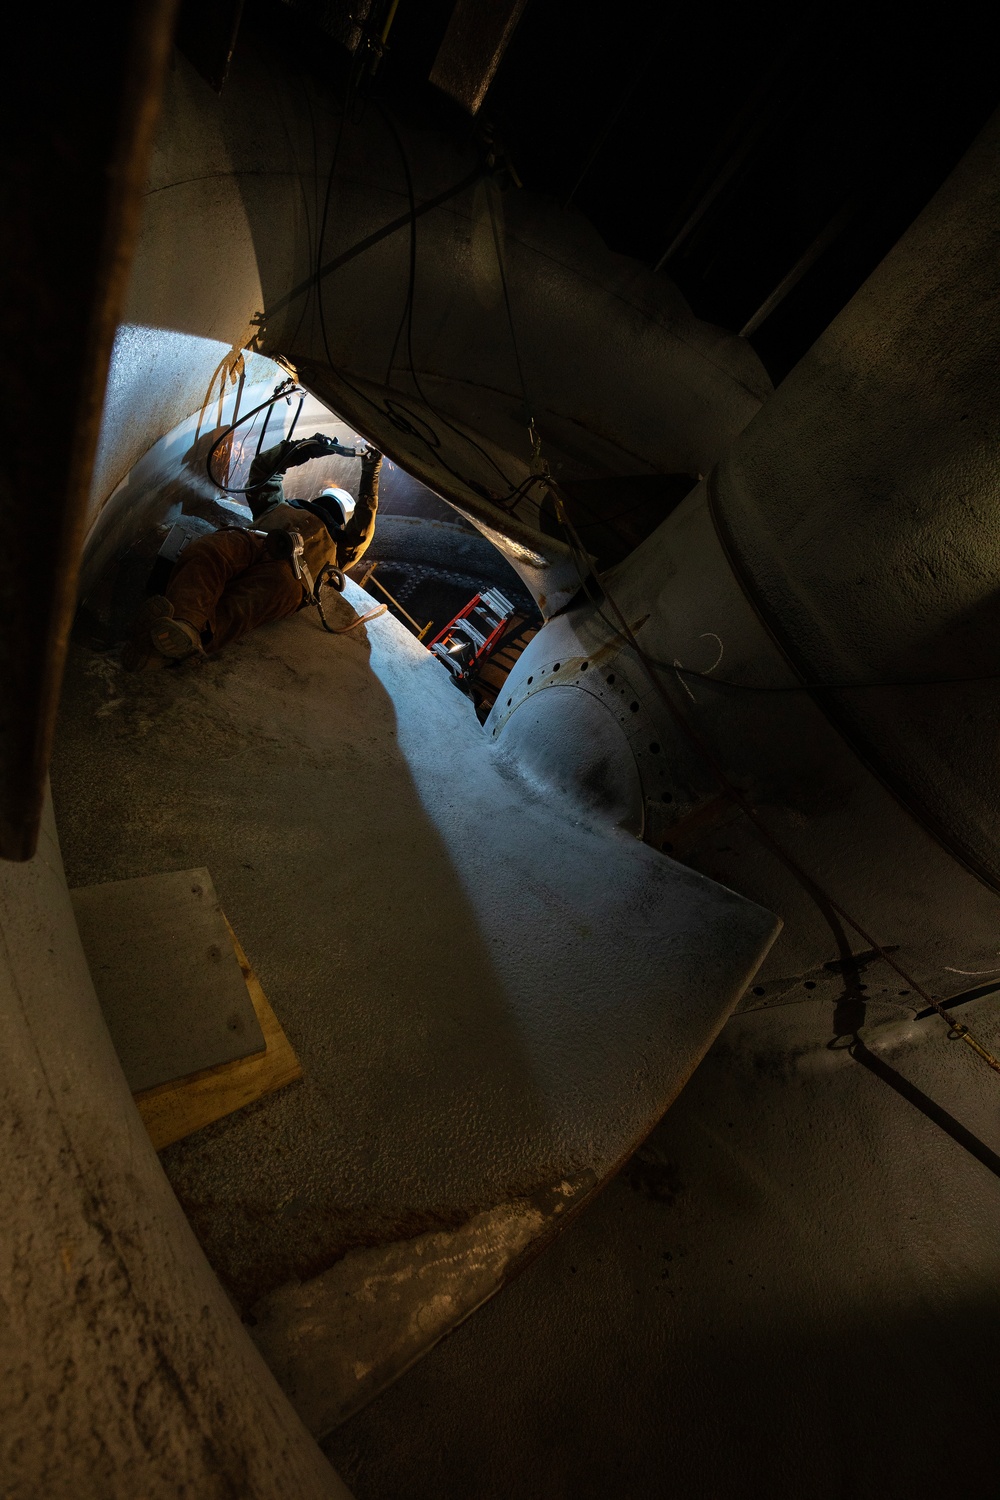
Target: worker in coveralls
[226,584]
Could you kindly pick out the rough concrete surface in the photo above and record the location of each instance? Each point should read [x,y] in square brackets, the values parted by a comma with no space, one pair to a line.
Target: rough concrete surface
[792,1290]
[124,1371]
[488,994]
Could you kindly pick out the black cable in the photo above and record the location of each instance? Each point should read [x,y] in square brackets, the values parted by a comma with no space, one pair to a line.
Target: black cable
[745,687]
[348,90]
[749,687]
[399,335]
[520,494]
[404,420]
[332,172]
[249,489]
[310,219]
[404,159]
[295,419]
[263,430]
[332,577]
[529,415]
[407,313]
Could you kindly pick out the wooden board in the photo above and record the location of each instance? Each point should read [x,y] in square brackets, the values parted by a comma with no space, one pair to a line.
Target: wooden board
[166,975]
[173,1110]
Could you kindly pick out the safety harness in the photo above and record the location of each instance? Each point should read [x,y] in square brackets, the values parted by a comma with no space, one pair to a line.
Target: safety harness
[300,538]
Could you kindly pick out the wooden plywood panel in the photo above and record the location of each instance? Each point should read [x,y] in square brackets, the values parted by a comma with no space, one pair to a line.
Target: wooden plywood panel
[166,976]
[174,1110]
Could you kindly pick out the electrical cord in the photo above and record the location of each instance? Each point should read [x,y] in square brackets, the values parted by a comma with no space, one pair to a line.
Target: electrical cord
[819,687]
[310,219]
[279,395]
[263,430]
[403,423]
[411,196]
[402,418]
[528,414]
[395,343]
[813,687]
[321,239]
[751,687]
[520,493]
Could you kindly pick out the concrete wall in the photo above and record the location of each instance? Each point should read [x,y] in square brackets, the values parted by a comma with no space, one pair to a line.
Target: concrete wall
[123,1368]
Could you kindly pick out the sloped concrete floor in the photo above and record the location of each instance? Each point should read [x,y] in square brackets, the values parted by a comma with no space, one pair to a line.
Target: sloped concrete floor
[791,1291]
[493,997]
[343,797]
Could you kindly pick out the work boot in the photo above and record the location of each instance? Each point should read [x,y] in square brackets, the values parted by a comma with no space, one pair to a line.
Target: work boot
[158,640]
[175,638]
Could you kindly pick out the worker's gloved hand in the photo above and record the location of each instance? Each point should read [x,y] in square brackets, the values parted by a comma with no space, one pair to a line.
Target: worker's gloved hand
[331,445]
[371,458]
[317,446]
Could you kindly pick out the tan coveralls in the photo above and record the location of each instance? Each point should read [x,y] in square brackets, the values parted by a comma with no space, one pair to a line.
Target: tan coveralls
[227,584]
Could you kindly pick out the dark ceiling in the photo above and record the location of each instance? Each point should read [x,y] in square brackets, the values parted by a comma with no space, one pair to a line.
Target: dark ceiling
[732,145]
[766,158]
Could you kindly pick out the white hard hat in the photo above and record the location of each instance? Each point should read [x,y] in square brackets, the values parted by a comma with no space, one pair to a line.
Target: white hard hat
[343,499]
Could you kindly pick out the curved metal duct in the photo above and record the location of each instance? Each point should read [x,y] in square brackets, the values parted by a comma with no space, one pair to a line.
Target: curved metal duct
[821,613]
[860,517]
